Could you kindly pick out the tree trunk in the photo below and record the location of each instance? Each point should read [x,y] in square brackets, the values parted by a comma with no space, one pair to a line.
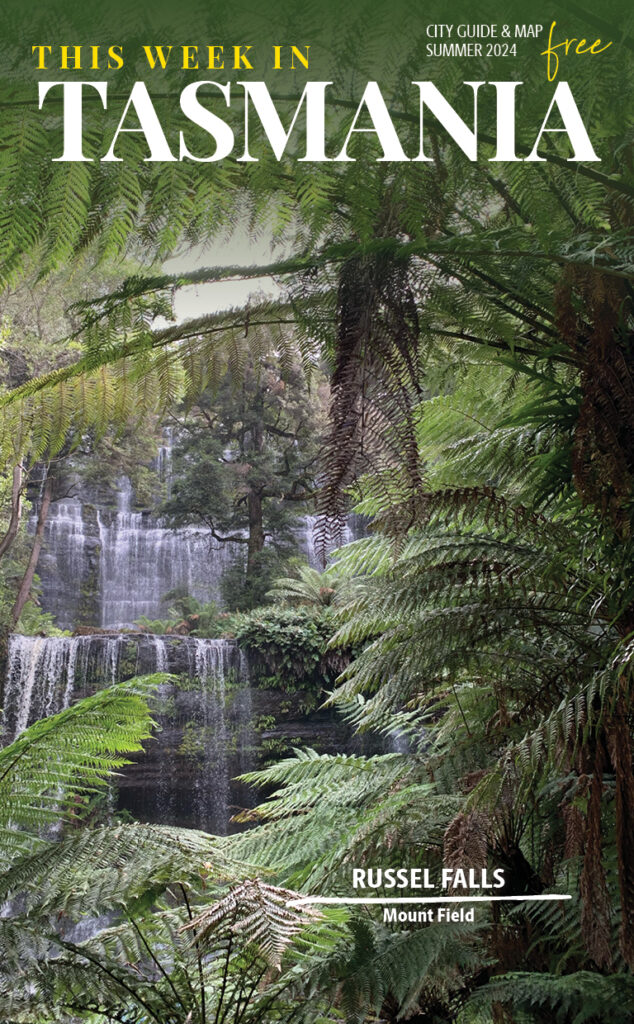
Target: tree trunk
[256,489]
[256,531]
[27,580]
[16,511]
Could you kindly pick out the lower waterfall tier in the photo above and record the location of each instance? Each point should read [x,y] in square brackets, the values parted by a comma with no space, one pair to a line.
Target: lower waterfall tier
[212,726]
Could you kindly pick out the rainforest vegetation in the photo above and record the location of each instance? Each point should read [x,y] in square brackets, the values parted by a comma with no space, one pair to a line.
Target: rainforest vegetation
[448,350]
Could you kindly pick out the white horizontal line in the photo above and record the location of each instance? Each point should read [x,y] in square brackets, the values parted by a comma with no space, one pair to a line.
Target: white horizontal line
[348,900]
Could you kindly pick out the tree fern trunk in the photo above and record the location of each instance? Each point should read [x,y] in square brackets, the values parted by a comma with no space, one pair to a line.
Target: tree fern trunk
[620,748]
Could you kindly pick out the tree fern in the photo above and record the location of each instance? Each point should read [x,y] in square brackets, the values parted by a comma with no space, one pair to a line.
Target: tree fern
[425,967]
[309,586]
[331,812]
[258,913]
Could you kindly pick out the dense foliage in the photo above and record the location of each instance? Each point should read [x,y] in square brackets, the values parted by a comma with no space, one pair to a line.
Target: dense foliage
[288,647]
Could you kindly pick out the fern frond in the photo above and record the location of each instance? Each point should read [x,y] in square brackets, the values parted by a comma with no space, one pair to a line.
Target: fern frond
[259,914]
[579,997]
[47,769]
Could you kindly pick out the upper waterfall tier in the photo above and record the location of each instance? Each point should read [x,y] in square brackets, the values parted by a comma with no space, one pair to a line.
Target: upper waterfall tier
[109,567]
[141,561]
[105,563]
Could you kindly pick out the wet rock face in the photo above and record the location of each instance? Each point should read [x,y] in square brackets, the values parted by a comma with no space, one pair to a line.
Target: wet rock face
[189,753]
[204,739]
[172,781]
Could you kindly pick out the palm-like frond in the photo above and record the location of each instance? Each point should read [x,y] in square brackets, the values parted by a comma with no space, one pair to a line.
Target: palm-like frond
[480,579]
[308,586]
[335,811]
[45,772]
[427,967]
[578,997]
[128,371]
[93,871]
[258,913]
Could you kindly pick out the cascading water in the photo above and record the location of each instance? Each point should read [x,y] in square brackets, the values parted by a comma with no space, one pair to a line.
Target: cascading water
[109,566]
[142,560]
[184,776]
[164,461]
[355,527]
[42,674]
[69,558]
[213,664]
[45,673]
[206,737]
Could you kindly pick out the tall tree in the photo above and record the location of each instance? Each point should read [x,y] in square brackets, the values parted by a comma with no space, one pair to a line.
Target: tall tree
[246,464]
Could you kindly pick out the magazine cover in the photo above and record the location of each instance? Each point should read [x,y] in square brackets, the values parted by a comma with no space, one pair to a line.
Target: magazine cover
[316,512]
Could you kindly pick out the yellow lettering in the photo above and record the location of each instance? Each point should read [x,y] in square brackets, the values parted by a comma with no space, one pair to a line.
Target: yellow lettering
[41,56]
[552,57]
[115,53]
[597,43]
[240,59]
[190,53]
[301,58]
[76,58]
[215,56]
[550,52]
[158,58]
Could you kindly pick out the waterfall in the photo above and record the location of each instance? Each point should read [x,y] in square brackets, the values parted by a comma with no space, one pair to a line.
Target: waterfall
[160,654]
[205,738]
[355,527]
[142,560]
[44,673]
[213,663]
[164,461]
[398,742]
[244,709]
[106,563]
[204,735]
[65,562]
[112,566]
